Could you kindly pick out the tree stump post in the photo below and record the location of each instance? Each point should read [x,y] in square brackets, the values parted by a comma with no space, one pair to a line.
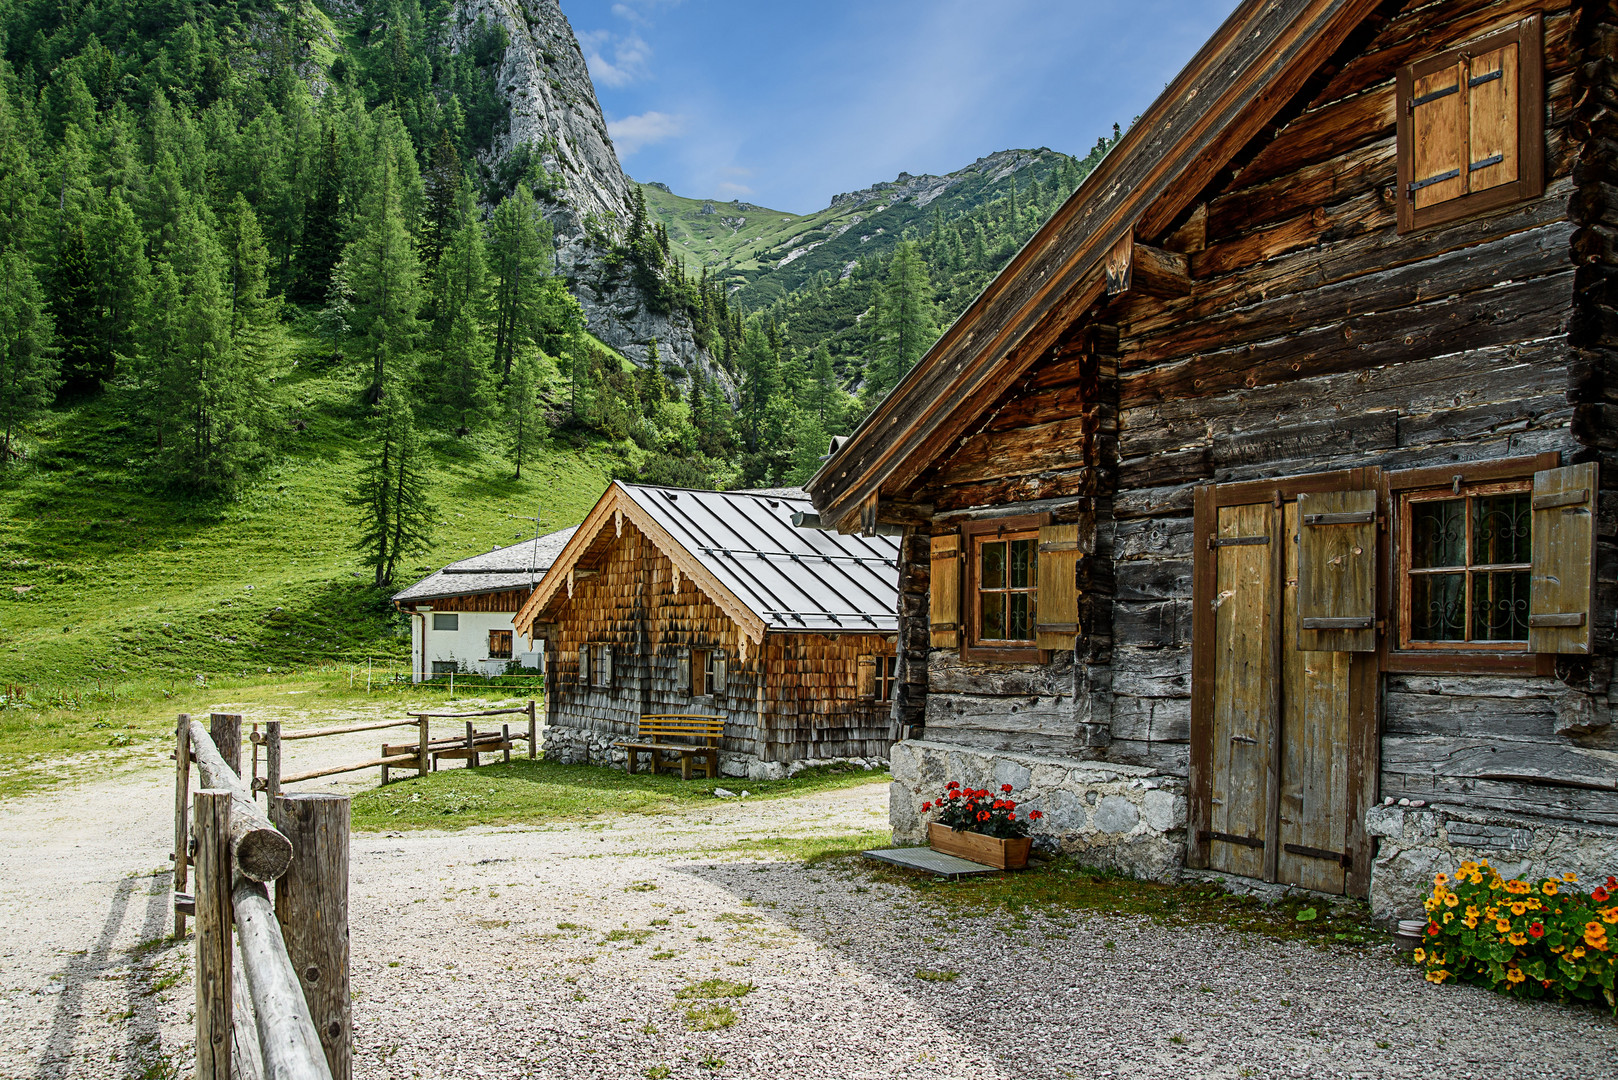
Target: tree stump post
[214,992]
[226,729]
[533,729]
[182,812]
[272,762]
[471,746]
[421,744]
[311,902]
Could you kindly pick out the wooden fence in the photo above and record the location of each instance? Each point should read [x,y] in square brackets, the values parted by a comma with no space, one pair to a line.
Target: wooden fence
[284,1015]
[418,756]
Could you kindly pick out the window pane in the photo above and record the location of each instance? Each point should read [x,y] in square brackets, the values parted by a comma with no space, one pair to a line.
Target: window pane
[1500,528]
[1500,605]
[1438,533]
[1438,607]
[1019,618]
[993,610]
[1023,554]
[994,565]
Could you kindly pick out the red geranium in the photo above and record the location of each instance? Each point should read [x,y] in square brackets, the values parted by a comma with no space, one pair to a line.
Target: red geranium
[1006,788]
[980,810]
[1035,815]
[926,806]
[1536,929]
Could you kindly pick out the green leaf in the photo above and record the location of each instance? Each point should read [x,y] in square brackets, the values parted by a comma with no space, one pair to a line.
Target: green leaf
[1308,914]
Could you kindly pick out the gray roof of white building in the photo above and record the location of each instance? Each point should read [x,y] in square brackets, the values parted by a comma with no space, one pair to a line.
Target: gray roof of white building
[519,566]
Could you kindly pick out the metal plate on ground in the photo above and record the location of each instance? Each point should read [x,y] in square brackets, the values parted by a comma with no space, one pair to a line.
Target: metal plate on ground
[933,862]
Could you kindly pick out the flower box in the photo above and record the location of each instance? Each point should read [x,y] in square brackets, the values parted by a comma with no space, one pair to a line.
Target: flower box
[1009,854]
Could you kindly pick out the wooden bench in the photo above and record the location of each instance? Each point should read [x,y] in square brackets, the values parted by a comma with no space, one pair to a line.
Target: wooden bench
[655,731]
[468,747]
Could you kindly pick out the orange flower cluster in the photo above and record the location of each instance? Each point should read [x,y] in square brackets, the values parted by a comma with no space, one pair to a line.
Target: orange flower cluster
[1544,939]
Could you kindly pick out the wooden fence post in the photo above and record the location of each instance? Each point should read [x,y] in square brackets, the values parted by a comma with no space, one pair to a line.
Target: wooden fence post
[311,901]
[226,729]
[532,730]
[421,766]
[182,812]
[214,992]
[471,745]
[272,761]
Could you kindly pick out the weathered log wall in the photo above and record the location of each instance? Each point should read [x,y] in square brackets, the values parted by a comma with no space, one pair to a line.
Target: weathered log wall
[1316,337]
[812,705]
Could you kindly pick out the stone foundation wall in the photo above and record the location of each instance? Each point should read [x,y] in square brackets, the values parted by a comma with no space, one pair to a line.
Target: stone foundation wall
[571,746]
[1417,842]
[1128,818]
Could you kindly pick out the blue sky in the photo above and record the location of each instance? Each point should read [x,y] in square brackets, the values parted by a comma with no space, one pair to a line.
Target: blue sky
[786,103]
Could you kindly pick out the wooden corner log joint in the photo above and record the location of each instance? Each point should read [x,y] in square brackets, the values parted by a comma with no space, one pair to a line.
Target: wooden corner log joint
[257,849]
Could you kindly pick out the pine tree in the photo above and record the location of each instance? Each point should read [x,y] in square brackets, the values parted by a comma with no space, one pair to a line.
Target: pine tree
[28,366]
[905,323]
[74,307]
[519,258]
[523,421]
[395,514]
[443,215]
[381,273]
[322,242]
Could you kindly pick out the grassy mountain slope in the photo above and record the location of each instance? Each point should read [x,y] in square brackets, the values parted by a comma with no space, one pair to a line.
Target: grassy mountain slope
[102,577]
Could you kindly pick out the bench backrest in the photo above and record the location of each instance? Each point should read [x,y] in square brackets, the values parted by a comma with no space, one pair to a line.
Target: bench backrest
[688,727]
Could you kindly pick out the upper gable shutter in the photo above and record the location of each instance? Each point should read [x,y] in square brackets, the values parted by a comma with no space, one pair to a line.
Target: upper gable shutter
[865,677]
[682,672]
[1337,571]
[945,599]
[1492,98]
[1438,128]
[1561,587]
[1057,626]
[719,674]
[584,665]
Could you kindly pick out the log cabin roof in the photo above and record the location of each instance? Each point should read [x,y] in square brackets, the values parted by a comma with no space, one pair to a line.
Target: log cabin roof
[1247,71]
[518,566]
[743,551]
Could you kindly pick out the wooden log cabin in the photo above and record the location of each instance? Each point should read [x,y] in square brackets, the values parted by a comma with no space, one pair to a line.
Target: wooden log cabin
[460,616]
[1259,519]
[668,601]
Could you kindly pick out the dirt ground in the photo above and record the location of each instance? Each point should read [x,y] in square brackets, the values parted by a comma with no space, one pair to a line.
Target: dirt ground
[580,951]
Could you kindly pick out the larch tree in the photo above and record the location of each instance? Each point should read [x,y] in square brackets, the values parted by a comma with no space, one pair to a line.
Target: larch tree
[395,512]
[906,324]
[382,278]
[29,367]
[523,419]
[519,262]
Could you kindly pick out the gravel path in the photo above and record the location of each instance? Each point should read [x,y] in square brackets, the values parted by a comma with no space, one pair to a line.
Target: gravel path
[560,952]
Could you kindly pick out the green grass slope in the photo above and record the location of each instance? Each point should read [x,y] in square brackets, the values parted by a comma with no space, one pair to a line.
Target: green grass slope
[106,578]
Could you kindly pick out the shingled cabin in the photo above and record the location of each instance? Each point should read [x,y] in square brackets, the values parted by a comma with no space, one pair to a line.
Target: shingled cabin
[460,616]
[702,603]
[1259,518]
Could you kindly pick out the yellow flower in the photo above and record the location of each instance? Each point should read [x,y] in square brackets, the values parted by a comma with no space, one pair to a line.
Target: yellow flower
[1495,883]
[1450,899]
[1517,937]
[1609,915]
[1420,955]
[1466,868]
[1440,879]
[1578,951]
[1437,976]
[1472,911]
[1470,922]
[1491,912]
[1570,877]
[1549,888]
[1449,917]
[1502,925]
[1476,878]
[1515,975]
[1429,903]
[1518,907]
[1533,905]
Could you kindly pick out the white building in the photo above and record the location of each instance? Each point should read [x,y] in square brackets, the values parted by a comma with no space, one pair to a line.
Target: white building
[460,617]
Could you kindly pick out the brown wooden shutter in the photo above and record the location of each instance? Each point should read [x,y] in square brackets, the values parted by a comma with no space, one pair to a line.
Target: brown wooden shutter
[945,601]
[682,676]
[1438,146]
[1337,571]
[606,666]
[719,674]
[1057,624]
[584,665]
[1492,91]
[865,677]
[1562,583]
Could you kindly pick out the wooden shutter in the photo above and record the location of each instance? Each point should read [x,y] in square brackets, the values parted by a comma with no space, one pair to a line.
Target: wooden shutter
[1337,571]
[682,672]
[606,667]
[1438,147]
[584,665]
[1057,622]
[1492,113]
[945,601]
[1562,583]
[719,673]
[865,677]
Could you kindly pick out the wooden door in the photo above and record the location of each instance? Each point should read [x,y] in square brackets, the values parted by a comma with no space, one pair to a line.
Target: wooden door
[1283,736]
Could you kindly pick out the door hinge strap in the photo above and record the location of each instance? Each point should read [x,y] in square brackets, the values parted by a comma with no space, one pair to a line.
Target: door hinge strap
[1479,80]
[1236,541]
[1486,163]
[1355,622]
[1567,618]
[1416,102]
[1417,185]
[1351,517]
[1562,498]
[1344,860]
[1244,841]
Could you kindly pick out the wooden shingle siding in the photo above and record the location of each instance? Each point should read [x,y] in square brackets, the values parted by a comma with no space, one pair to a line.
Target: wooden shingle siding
[510,600]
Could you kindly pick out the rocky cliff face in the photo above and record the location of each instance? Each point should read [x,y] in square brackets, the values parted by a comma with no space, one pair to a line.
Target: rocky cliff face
[553,104]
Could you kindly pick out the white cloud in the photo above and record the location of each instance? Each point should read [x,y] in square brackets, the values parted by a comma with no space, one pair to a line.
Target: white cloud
[633,132]
[631,57]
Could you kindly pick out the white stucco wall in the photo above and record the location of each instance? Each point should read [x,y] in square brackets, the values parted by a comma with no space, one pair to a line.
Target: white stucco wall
[467,646]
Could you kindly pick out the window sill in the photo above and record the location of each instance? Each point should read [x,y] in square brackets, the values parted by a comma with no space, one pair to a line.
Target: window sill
[1456,662]
[1017,654]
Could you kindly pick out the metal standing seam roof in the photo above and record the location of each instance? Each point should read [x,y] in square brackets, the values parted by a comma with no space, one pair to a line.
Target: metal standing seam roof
[803,580]
[518,566]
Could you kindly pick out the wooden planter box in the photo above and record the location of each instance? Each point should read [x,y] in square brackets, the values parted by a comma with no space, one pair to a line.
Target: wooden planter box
[988,850]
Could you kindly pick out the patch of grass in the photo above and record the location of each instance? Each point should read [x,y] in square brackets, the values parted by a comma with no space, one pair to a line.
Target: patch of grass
[713,990]
[657,1072]
[539,792]
[1063,885]
[741,918]
[709,1017]
[635,937]
[812,850]
[641,886]
[937,976]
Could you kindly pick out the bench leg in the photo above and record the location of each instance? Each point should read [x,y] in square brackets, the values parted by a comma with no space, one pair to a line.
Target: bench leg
[685,766]
[629,761]
[505,737]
